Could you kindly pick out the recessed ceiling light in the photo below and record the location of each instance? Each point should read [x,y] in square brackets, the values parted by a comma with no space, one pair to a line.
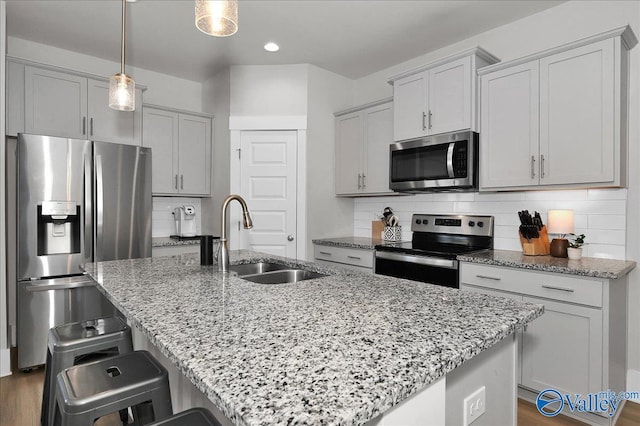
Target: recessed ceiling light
[271,47]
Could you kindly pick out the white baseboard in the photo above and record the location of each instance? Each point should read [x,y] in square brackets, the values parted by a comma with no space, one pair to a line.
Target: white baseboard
[5,362]
[633,383]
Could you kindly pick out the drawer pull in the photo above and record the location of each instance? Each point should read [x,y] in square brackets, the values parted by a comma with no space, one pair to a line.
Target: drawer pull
[326,253]
[487,277]
[354,257]
[550,287]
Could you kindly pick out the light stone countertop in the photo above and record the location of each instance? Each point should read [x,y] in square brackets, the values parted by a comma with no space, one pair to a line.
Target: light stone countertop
[353,242]
[341,349]
[169,242]
[587,266]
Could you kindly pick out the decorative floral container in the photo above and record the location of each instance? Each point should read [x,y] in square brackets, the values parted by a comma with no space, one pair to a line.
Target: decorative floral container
[392,233]
[574,253]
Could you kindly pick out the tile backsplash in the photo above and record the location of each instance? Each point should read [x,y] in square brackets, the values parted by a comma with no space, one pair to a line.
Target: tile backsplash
[600,214]
[163,224]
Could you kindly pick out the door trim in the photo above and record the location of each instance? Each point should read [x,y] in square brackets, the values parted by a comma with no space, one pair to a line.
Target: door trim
[284,124]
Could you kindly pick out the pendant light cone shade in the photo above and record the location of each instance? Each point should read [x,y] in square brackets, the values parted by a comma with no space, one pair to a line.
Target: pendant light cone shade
[217,18]
[122,88]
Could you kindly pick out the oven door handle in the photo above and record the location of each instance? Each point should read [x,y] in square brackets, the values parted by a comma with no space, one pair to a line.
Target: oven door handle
[421,260]
[450,159]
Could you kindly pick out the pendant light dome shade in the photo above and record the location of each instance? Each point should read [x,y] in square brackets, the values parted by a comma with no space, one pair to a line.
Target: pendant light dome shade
[217,18]
[122,92]
[122,88]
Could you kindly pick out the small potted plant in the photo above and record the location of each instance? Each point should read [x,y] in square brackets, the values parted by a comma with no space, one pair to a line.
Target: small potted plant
[574,251]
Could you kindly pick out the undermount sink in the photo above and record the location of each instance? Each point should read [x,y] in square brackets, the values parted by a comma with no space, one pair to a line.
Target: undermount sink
[272,273]
[284,276]
[256,268]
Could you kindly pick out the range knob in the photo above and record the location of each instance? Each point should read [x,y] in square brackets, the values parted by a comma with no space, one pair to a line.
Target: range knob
[480,224]
[472,224]
[418,221]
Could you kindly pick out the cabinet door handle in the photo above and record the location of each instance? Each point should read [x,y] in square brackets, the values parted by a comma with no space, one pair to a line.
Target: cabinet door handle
[354,257]
[430,115]
[487,277]
[84,125]
[326,253]
[542,166]
[359,184]
[551,287]
[91,126]
[176,183]
[533,167]
[424,117]
[364,182]
[181,181]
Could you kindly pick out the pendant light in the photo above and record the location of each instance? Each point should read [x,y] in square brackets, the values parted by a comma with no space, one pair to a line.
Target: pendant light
[122,88]
[217,18]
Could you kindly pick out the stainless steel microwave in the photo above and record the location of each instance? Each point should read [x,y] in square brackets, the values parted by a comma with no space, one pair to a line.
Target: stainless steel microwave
[446,162]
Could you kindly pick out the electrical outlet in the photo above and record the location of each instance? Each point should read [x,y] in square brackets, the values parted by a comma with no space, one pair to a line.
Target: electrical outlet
[474,406]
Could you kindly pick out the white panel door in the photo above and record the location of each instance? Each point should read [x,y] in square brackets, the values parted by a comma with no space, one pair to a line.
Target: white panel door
[348,154]
[194,158]
[509,127]
[55,103]
[378,135]
[268,167]
[107,124]
[410,107]
[577,136]
[563,349]
[450,97]
[161,135]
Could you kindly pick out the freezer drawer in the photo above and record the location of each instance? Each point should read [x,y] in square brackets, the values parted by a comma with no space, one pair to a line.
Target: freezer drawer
[43,304]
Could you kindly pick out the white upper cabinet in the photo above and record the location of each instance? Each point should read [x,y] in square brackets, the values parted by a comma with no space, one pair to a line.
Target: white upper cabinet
[439,97]
[180,145]
[67,104]
[363,136]
[557,119]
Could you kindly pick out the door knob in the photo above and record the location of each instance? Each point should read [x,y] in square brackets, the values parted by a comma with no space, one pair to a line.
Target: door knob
[290,238]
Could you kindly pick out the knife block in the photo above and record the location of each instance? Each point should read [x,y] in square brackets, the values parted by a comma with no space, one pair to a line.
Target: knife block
[536,246]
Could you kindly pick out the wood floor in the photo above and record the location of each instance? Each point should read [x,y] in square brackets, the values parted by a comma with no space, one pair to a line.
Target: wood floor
[21,396]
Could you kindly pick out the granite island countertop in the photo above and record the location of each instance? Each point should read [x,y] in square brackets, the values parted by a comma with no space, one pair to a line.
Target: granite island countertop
[587,266]
[341,349]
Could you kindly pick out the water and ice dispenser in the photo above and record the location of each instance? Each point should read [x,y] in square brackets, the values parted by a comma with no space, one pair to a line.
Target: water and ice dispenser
[58,227]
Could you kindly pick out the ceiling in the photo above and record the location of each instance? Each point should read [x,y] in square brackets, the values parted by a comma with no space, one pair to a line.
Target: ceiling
[351,38]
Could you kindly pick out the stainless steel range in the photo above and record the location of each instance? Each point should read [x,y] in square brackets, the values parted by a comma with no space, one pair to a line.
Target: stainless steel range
[436,241]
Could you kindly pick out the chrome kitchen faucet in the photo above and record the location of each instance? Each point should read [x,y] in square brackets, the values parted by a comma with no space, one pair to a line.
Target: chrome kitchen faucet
[223,253]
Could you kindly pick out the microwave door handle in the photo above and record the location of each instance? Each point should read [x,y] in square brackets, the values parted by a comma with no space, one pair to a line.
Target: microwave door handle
[450,160]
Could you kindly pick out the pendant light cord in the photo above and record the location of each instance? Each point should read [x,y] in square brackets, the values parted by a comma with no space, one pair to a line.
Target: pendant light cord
[124,5]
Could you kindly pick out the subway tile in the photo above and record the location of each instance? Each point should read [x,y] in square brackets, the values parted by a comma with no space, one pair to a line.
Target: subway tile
[566,195]
[499,196]
[607,194]
[606,222]
[507,244]
[604,251]
[598,236]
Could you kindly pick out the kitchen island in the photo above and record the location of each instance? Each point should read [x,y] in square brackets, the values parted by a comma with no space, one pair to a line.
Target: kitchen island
[341,349]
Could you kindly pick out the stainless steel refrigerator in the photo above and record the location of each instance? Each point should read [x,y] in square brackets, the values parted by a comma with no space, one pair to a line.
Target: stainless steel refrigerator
[78,201]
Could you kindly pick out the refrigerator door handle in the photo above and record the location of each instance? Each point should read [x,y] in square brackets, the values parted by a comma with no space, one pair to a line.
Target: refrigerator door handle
[88,209]
[99,208]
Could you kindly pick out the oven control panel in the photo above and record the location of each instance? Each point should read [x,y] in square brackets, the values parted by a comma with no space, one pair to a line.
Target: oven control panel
[453,224]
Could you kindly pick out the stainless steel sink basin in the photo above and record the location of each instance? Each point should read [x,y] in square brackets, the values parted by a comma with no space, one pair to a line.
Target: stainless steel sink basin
[256,268]
[283,276]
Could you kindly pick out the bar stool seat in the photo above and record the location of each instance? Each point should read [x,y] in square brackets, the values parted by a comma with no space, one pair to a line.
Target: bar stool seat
[89,391]
[75,343]
[192,417]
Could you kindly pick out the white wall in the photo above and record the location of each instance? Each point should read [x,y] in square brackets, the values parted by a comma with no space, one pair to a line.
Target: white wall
[327,215]
[268,90]
[162,89]
[618,238]
[216,97]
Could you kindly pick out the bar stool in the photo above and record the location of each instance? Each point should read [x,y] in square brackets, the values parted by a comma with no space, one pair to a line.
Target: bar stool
[192,417]
[76,343]
[89,391]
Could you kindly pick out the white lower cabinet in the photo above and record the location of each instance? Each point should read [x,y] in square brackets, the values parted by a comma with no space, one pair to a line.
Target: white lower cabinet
[352,258]
[578,345]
